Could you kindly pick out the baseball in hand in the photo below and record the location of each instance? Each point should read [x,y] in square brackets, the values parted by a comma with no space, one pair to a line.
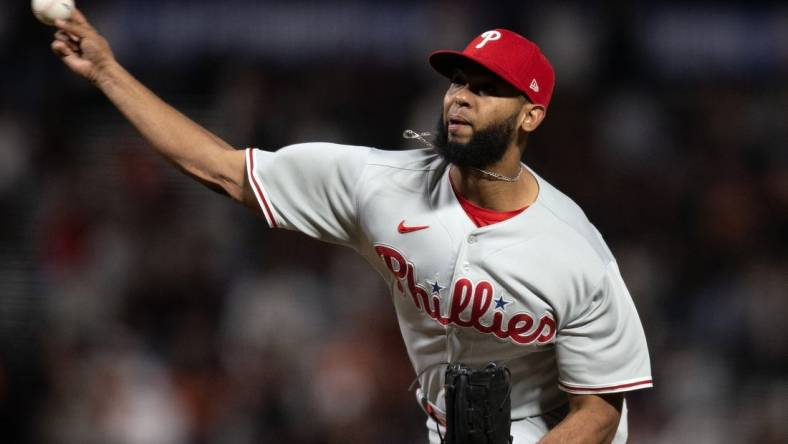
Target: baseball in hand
[47,11]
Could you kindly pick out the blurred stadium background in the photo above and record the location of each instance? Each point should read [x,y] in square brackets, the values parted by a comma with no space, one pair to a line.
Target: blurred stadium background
[137,307]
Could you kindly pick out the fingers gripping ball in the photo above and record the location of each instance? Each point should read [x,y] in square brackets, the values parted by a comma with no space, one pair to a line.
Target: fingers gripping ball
[47,11]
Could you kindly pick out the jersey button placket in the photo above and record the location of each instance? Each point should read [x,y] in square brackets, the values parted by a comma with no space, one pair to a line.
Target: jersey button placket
[471,250]
[461,268]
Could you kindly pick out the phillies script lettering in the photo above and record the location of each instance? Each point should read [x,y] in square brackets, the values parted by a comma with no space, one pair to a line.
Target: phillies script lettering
[469,304]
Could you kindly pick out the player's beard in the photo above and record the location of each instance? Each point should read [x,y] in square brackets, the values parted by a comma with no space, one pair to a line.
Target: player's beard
[486,146]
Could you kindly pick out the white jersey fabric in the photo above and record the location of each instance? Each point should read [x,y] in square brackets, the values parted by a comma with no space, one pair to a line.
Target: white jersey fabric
[540,293]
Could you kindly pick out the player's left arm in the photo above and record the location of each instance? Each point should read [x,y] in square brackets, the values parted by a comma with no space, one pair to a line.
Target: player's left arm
[601,353]
[592,419]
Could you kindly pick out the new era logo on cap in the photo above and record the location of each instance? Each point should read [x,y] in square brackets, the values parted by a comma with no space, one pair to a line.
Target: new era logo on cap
[509,55]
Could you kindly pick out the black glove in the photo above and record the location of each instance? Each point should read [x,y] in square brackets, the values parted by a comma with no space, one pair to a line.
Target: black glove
[478,406]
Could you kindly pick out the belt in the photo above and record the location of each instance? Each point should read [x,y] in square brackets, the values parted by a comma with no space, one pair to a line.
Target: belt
[434,412]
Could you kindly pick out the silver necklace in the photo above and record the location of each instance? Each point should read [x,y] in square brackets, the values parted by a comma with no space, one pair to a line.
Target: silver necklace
[410,134]
[498,176]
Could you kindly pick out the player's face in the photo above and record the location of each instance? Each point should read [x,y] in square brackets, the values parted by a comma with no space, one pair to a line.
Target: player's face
[480,118]
[477,99]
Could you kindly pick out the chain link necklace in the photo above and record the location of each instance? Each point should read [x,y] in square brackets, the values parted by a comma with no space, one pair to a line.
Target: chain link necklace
[410,134]
[498,176]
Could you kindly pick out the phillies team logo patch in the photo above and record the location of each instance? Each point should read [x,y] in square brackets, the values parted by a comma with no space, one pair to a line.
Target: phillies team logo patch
[488,36]
[470,304]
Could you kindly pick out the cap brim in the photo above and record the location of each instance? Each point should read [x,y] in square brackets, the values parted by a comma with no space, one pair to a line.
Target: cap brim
[447,61]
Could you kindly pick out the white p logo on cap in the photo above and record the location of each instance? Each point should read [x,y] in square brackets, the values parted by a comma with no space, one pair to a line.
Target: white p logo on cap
[488,36]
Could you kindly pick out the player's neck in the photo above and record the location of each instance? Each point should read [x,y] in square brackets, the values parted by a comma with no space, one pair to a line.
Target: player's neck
[495,194]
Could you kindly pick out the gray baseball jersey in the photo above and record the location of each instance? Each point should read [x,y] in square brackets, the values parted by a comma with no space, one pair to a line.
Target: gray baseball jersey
[540,292]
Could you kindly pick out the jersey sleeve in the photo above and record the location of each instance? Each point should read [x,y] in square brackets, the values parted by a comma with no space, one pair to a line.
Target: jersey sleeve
[603,348]
[309,187]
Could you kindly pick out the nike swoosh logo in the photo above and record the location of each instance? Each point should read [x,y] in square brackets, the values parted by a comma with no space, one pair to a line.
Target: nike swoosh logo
[403,229]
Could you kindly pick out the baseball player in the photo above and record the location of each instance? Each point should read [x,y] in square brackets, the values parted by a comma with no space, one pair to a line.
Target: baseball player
[486,261]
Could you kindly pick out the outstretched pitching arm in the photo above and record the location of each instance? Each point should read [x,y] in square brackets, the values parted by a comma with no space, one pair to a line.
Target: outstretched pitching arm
[190,147]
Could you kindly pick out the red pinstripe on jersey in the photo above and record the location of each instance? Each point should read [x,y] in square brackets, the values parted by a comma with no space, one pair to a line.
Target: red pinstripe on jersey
[258,190]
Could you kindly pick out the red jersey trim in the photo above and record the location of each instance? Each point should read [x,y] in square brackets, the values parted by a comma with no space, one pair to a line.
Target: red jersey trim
[482,217]
[623,387]
[258,191]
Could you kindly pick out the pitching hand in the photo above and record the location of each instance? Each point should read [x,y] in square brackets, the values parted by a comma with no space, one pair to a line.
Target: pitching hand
[81,47]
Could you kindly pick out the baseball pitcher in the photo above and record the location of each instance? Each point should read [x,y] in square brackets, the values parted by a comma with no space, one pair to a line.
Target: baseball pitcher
[512,308]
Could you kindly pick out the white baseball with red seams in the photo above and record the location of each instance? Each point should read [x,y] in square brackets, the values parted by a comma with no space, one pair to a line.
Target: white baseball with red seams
[47,11]
[540,293]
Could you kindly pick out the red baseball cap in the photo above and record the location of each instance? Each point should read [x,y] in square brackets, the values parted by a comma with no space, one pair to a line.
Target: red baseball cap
[511,56]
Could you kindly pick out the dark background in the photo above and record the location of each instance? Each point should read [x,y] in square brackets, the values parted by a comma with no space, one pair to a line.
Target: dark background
[137,307]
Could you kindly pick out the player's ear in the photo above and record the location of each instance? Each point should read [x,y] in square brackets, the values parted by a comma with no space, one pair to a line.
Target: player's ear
[531,116]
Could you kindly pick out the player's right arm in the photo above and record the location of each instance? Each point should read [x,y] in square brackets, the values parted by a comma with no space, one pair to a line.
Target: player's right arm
[192,148]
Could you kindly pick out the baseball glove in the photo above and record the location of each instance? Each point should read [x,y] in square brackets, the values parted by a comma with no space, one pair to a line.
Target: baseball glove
[478,405]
